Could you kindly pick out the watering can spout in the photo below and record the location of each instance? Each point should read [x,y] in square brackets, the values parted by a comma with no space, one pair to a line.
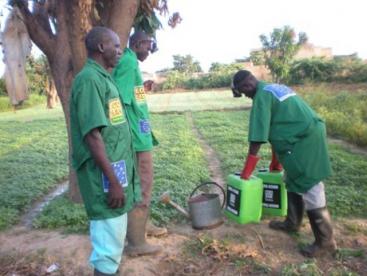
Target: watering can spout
[166,199]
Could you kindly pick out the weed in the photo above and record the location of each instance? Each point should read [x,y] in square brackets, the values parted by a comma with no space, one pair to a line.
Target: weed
[345,253]
[355,228]
[307,268]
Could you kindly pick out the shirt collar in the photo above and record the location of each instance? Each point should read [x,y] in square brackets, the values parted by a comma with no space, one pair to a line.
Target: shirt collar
[92,63]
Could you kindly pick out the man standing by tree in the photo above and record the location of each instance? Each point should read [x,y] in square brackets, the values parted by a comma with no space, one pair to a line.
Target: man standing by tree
[129,80]
[102,154]
[298,138]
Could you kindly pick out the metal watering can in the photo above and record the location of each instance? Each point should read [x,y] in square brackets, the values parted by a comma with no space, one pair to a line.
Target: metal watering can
[205,210]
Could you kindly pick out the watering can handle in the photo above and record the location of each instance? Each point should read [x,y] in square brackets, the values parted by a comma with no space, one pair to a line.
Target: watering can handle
[211,183]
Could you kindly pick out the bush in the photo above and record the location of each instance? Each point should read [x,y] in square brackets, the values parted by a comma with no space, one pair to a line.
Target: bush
[314,70]
[2,87]
[345,114]
[320,70]
[219,76]
[33,100]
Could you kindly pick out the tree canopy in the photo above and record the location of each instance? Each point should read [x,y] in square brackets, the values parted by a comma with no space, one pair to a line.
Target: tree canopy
[278,49]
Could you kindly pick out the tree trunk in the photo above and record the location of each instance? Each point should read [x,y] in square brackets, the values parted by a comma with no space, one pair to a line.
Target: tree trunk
[65,49]
[51,93]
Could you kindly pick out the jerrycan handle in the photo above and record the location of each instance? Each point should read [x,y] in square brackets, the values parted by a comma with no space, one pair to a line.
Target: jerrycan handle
[210,183]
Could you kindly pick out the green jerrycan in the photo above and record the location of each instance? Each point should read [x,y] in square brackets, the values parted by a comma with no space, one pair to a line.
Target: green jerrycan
[275,193]
[244,199]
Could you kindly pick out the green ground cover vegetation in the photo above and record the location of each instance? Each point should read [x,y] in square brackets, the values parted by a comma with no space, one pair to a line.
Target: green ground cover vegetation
[33,159]
[179,166]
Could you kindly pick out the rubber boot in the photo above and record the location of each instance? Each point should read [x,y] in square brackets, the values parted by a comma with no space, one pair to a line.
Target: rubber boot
[137,244]
[99,273]
[293,221]
[155,231]
[323,231]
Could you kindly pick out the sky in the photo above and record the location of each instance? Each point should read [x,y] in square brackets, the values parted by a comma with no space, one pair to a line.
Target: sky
[222,31]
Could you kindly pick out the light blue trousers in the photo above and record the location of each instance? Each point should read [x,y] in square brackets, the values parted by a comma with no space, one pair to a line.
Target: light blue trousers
[107,238]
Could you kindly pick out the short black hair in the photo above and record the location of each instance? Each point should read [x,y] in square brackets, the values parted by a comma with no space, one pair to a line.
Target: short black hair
[239,77]
[138,36]
[96,36]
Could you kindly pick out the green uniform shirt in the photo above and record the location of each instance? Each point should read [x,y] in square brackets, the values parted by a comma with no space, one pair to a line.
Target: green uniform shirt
[95,103]
[130,83]
[296,133]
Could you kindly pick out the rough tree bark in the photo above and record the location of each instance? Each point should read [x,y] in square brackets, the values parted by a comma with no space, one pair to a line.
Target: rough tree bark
[64,45]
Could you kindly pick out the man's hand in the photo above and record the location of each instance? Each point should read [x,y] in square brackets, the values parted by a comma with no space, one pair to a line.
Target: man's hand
[274,165]
[250,166]
[116,196]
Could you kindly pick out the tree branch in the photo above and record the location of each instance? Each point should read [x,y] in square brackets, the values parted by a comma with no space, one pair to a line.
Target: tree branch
[122,17]
[38,32]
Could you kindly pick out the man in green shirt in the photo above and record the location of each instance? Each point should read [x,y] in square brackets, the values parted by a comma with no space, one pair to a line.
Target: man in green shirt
[129,80]
[298,140]
[102,154]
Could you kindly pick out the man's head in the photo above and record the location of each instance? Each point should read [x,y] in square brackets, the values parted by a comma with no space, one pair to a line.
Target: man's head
[244,83]
[142,44]
[103,45]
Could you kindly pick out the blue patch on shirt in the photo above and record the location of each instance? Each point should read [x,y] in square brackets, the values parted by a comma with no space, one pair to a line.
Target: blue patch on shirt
[279,91]
[119,169]
[144,126]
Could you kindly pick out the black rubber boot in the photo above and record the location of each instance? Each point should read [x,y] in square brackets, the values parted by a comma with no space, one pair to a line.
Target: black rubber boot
[294,217]
[323,231]
[137,244]
[98,273]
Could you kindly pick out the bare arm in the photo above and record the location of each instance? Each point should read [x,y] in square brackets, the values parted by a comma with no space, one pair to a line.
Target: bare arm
[116,198]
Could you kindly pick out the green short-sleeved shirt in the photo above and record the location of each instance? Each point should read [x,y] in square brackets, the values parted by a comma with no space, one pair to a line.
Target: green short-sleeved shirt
[130,83]
[95,103]
[295,131]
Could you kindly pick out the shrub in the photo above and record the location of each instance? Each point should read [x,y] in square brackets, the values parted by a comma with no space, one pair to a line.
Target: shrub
[34,99]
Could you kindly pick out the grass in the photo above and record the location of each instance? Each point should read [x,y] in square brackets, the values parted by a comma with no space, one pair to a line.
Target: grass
[195,101]
[179,163]
[33,100]
[33,159]
[346,190]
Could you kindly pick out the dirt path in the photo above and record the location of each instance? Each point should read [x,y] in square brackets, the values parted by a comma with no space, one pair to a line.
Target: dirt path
[231,249]
[38,206]
[350,147]
[210,155]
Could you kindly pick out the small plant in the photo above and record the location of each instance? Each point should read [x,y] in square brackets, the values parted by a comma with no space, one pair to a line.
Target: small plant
[345,253]
[304,269]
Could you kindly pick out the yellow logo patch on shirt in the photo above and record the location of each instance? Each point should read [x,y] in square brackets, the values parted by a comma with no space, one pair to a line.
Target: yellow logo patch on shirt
[139,94]
[116,112]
